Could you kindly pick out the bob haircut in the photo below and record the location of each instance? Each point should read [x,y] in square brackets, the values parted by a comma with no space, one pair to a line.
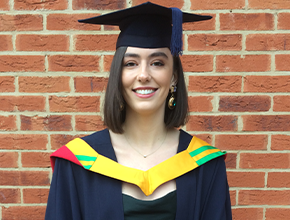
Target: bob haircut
[115,105]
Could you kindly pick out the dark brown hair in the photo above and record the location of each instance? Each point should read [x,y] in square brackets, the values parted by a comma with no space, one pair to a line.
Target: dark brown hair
[115,105]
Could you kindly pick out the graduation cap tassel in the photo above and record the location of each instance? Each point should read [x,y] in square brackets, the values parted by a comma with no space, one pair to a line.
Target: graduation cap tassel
[176,36]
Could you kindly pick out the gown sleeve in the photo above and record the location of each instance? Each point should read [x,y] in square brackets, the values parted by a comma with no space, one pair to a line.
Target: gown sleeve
[63,203]
[216,203]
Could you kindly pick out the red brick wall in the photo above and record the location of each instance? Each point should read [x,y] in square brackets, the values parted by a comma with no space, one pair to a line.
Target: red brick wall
[53,71]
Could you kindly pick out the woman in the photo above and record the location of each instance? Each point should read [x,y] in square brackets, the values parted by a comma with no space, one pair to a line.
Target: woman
[142,166]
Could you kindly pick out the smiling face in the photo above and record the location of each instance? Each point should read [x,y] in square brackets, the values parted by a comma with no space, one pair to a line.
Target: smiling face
[147,76]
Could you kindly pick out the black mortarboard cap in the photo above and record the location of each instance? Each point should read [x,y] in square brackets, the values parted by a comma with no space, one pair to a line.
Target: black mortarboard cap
[148,25]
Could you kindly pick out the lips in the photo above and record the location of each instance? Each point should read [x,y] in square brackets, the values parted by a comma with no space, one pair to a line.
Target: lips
[144,91]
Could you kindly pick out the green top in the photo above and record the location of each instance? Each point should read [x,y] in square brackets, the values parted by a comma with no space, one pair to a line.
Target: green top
[163,208]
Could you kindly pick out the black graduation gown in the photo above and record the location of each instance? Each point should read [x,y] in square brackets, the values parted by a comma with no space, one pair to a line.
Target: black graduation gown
[78,194]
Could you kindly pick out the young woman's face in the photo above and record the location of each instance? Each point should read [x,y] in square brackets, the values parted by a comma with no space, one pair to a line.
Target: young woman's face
[147,76]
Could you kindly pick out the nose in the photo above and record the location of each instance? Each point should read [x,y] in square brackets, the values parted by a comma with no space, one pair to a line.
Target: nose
[144,74]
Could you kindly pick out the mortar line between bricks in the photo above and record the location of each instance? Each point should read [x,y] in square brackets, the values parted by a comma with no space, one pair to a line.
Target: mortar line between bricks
[273,62]
[277,170]
[186,52]
[269,143]
[266,179]
[96,11]
[217,22]
[70,6]
[238,161]
[246,5]
[259,206]
[23,204]
[185,44]
[186,6]
[190,94]
[46,114]
[30,132]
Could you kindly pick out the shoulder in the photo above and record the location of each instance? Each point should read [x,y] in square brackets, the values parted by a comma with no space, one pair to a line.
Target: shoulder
[98,138]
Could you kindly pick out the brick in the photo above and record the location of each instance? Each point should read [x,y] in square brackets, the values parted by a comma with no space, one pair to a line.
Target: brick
[264,197]
[233,195]
[22,103]
[36,195]
[40,5]
[280,142]
[266,122]
[246,63]
[23,212]
[216,4]
[231,161]
[201,25]
[10,178]
[281,103]
[246,179]
[215,84]
[267,84]
[61,22]
[282,62]
[74,104]
[200,103]
[73,63]
[19,63]
[23,141]
[247,213]
[58,140]
[35,159]
[36,42]
[10,195]
[44,84]
[197,63]
[251,21]
[241,142]
[6,43]
[8,159]
[24,178]
[8,123]
[4,5]
[212,123]
[264,161]
[21,22]
[48,123]
[90,84]
[266,42]
[111,28]
[277,213]
[269,4]
[7,84]
[176,3]
[204,42]
[96,42]
[278,180]
[107,62]
[206,137]
[99,5]
[283,21]
[89,123]
[244,103]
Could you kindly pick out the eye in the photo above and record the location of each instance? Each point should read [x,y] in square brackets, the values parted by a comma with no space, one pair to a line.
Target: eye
[130,64]
[157,63]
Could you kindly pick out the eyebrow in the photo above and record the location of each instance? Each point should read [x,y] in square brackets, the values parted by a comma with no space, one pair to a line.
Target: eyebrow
[156,54]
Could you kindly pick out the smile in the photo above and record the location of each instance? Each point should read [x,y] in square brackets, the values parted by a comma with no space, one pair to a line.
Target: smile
[144,91]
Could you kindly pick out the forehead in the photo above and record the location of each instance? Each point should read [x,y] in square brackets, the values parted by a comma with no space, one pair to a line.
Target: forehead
[148,51]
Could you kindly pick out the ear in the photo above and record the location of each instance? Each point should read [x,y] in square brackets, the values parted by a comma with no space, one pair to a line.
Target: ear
[174,79]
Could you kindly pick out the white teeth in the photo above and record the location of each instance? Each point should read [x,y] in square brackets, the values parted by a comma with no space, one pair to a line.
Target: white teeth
[144,91]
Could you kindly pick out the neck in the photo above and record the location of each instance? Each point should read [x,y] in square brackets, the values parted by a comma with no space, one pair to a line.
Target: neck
[145,132]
